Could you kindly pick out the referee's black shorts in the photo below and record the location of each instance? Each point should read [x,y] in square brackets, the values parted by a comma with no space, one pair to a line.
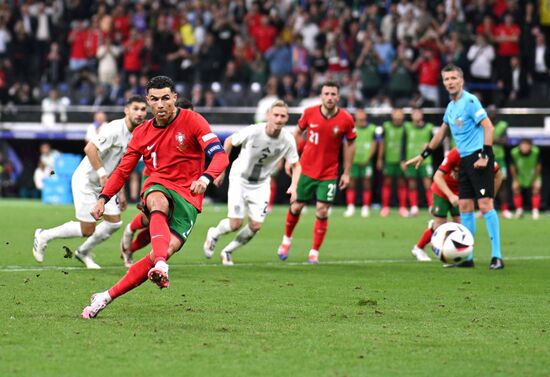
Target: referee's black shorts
[476,183]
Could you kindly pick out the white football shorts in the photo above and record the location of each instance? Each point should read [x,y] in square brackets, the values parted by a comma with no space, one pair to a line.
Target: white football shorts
[85,196]
[247,200]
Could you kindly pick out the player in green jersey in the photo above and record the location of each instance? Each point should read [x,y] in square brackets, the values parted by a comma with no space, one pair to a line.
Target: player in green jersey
[418,134]
[390,157]
[525,170]
[500,139]
[362,166]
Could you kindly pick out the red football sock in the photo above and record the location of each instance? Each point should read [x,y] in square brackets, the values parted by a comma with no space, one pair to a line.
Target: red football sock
[386,195]
[402,196]
[429,198]
[425,238]
[137,222]
[319,231]
[291,221]
[142,239]
[160,235]
[504,206]
[137,274]
[367,198]
[350,196]
[413,198]
[518,201]
[273,194]
[535,201]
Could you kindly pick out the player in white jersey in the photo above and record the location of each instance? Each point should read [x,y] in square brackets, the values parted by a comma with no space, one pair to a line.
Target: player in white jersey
[103,154]
[263,145]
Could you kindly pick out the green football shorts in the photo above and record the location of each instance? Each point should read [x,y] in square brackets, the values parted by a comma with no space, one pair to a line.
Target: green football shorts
[182,215]
[361,171]
[442,207]
[424,171]
[309,188]
[392,170]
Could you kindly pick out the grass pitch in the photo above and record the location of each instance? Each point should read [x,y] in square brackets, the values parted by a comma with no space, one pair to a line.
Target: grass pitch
[368,309]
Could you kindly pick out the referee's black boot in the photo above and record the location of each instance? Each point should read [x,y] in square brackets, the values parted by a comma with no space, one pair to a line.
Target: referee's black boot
[496,264]
[465,264]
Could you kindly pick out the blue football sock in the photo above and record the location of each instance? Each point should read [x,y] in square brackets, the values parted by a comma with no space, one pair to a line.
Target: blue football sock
[493,228]
[468,219]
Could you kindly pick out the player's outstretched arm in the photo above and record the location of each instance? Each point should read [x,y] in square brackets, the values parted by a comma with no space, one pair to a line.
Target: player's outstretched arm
[433,144]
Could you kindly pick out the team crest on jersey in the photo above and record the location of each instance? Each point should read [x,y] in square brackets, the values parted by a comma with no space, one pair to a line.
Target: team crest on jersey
[459,123]
[335,130]
[180,138]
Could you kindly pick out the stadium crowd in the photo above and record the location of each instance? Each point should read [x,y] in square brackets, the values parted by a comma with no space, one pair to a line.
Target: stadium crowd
[234,52]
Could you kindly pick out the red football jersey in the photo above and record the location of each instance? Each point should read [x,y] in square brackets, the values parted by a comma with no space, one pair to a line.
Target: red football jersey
[174,155]
[449,167]
[323,139]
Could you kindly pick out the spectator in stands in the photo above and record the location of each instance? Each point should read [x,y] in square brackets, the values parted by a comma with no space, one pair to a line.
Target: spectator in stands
[5,38]
[51,105]
[21,94]
[401,83]
[481,56]
[507,37]
[107,57]
[367,64]
[540,66]
[428,68]
[264,34]
[21,51]
[278,58]
[515,85]
[7,184]
[54,69]
[210,58]
[384,49]
[78,58]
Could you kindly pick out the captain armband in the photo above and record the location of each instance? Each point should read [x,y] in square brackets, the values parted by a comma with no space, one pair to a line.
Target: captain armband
[213,148]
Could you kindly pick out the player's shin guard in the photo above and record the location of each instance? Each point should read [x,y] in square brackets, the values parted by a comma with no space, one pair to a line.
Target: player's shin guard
[142,239]
[160,235]
[425,238]
[350,196]
[319,232]
[468,219]
[135,276]
[386,195]
[518,201]
[367,198]
[242,238]
[137,223]
[291,221]
[535,201]
[493,228]
[102,232]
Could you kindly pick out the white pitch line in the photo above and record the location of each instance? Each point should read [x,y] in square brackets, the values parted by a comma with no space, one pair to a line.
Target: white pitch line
[268,264]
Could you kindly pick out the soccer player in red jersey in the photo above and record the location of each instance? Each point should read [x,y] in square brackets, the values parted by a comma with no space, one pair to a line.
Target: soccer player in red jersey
[140,222]
[325,125]
[174,145]
[445,199]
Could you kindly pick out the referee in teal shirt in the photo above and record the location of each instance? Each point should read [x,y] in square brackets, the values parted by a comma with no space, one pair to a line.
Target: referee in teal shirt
[473,132]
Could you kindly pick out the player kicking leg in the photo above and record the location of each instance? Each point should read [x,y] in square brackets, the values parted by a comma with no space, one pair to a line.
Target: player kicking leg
[164,242]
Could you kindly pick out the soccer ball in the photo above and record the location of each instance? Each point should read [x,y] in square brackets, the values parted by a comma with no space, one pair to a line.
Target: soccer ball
[452,243]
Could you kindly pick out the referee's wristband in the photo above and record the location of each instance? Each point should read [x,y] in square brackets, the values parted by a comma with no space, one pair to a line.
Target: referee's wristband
[101,172]
[486,152]
[426,152]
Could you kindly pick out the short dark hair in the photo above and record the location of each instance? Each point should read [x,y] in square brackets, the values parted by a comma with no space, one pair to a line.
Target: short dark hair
[332,84]
[160,82]
[135,98]
[184,103]
[452,67]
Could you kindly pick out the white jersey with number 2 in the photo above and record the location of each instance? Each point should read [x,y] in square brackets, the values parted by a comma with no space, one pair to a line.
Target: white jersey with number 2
[260,153]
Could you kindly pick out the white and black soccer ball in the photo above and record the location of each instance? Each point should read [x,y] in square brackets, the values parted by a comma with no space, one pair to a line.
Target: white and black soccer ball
[452,243]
